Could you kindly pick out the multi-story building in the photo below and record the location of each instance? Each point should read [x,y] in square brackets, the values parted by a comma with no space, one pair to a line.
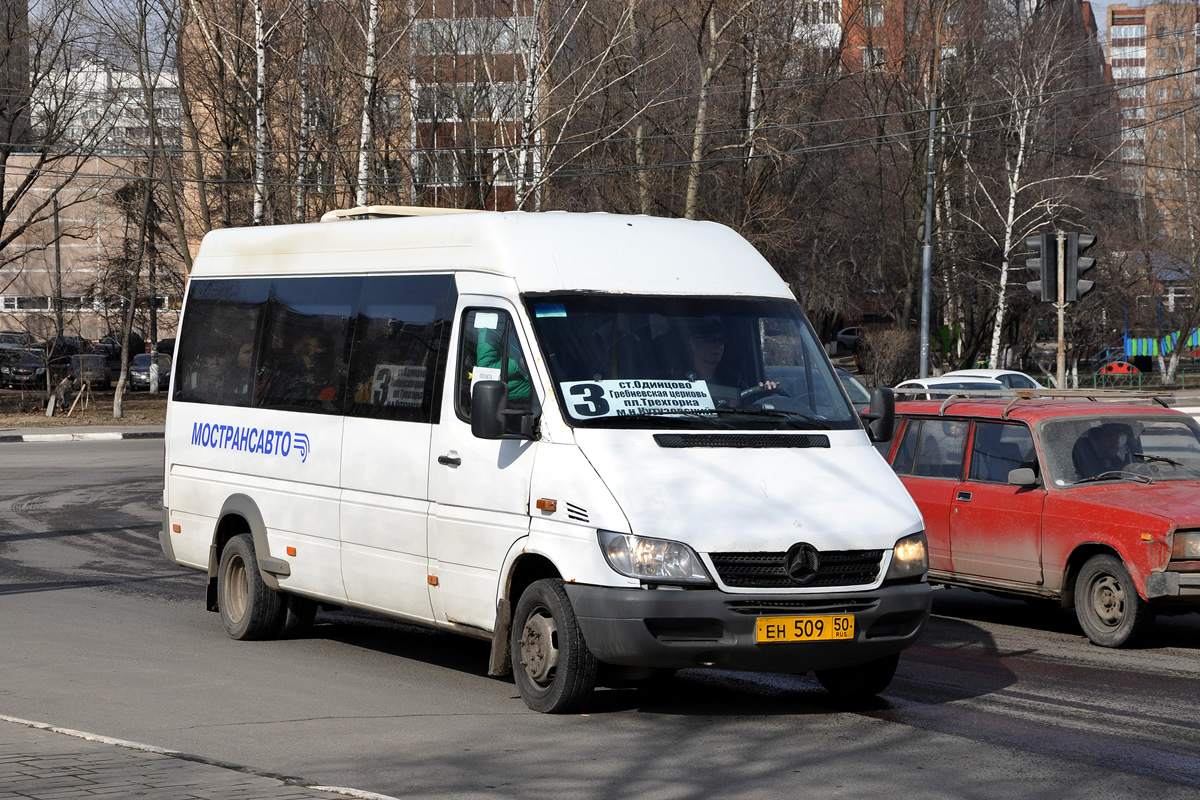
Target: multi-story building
[64,273]
[1153,54]
[104,109]
[61,273]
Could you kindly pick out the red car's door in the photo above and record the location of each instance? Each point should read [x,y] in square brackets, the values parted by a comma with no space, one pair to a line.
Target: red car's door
[929,461]
[995,528]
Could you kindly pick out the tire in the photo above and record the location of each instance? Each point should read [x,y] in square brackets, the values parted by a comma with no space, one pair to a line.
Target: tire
[249,608]
[861,681]
[297,618]
[1107,604]
[552,666]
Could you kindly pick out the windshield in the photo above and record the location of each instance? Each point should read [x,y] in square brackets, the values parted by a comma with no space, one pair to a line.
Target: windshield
[858,393]
[25,357]
[1088,450]
[636,361]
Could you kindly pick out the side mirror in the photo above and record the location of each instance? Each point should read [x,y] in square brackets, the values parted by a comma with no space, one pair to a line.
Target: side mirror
[490,413]
[881,419]
[489,400]
[1023,476]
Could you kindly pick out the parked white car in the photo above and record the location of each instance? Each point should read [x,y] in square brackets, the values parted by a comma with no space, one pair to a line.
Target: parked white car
[1009,377]
[943,387]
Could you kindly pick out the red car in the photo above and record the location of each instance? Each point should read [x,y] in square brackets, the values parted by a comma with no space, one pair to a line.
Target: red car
[1093,505]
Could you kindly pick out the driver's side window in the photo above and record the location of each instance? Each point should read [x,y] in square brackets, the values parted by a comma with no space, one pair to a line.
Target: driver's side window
[490,350]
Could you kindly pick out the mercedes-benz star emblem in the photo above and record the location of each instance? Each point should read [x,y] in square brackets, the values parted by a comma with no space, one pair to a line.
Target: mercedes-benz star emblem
[801,562]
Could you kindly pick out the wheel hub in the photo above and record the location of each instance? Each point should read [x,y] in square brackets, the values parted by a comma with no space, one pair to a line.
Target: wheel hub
[539,655]
[238,592]
[1108,600]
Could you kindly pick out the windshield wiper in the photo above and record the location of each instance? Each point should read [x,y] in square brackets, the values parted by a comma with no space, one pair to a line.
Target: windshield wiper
[774,413]
[1113,474]
[1165,460]
[671,419]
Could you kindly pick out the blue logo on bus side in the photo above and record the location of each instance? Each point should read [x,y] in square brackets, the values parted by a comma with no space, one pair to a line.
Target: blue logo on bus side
[251,440]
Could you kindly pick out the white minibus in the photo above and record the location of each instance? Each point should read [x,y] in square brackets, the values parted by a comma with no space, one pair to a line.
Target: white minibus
[612,446]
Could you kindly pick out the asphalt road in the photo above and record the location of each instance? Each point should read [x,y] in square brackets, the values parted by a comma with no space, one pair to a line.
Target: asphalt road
[99,633]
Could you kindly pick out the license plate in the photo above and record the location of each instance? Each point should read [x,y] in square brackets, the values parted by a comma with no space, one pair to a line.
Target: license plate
[826,627]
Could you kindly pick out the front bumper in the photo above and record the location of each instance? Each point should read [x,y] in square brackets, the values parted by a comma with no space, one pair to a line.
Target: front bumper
[673,629]
[1173,585]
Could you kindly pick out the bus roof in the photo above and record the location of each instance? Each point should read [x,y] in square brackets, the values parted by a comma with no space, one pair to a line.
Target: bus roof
[546,251]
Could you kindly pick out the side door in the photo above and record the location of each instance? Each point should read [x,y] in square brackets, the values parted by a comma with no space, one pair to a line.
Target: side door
[479,487]
[995,528]
[396,376]
[929,460]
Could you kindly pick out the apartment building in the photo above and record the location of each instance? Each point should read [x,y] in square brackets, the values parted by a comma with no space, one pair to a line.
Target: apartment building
[1153,55]
[61,275]
[105,109]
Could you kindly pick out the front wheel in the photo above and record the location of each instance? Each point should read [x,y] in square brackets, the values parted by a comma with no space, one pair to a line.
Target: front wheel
[860,681]
[249,608]
[553,668]
[1107,604]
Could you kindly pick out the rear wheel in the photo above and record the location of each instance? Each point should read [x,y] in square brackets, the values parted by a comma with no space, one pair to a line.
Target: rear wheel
[249,608]
[553,668]
[860,681]
[1109,609]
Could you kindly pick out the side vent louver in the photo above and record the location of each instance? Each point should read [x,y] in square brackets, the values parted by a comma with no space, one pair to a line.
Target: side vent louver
[576,513]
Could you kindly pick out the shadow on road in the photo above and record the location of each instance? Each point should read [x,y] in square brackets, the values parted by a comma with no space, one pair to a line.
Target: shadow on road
[962,656]
[1170,630]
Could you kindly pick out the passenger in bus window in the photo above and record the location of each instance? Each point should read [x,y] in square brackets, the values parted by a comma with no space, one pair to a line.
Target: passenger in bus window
[240,381]
[303,380]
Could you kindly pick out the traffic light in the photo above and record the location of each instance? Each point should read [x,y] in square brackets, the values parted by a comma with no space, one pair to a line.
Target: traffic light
[1076,264]
[1045,264]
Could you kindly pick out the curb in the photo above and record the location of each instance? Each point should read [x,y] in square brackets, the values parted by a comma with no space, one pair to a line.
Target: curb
[79,436]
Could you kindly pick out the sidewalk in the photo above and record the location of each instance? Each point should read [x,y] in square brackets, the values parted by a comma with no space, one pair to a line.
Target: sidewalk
[40,762]
[80,433]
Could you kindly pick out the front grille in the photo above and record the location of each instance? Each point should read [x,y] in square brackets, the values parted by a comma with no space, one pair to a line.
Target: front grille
[766,570]
[817,605]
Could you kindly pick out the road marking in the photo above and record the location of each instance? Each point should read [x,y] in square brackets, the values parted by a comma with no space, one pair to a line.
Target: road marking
[359,794]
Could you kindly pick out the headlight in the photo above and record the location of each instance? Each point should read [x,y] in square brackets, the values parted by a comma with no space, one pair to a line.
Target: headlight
[652,560]
[910,558]
[1185,545]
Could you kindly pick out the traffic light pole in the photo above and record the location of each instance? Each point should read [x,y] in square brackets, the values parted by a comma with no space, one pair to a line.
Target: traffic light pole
[1062,308]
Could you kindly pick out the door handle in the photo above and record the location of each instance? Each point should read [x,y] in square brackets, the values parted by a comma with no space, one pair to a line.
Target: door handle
[963,496]
[450,461]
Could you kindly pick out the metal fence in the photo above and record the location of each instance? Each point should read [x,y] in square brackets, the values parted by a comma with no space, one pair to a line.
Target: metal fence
[1148,381]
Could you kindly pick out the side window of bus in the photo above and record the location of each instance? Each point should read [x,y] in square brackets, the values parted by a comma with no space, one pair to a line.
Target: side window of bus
[305,344]
[216,354]
[398,359]
[490,350]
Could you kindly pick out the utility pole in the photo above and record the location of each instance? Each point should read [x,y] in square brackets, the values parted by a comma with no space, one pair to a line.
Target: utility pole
[930,168]
[58,300]
[1062,308]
